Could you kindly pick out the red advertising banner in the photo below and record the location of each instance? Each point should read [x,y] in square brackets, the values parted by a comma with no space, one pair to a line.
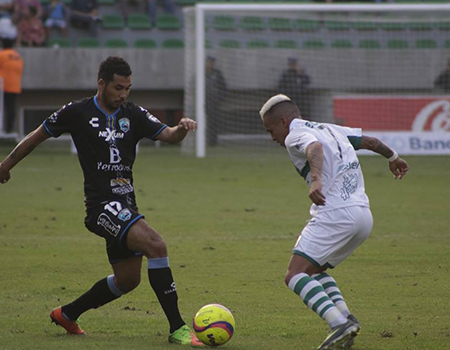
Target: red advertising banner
[393,113]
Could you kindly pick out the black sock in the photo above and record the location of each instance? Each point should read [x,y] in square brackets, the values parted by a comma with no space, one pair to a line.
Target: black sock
[162,283]
[98,295]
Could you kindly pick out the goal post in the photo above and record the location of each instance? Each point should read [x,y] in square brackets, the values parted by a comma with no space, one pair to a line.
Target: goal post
[373,66]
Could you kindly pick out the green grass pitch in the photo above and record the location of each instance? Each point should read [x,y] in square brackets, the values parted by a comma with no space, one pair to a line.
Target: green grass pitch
[230,224]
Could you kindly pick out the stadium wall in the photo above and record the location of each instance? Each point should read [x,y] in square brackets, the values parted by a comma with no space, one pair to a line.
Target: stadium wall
[53,77]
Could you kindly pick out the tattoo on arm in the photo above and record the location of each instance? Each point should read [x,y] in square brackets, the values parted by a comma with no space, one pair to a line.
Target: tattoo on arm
[375,145]
[14,154]
[383,149]
[314,154]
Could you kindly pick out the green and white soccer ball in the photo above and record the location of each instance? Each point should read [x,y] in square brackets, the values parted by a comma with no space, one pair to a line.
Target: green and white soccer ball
[214,324]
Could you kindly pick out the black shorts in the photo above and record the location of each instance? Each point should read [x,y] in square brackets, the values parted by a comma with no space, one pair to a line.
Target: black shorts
[112,221]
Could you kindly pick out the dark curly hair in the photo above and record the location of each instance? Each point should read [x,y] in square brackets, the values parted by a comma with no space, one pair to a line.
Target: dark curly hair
[113,65]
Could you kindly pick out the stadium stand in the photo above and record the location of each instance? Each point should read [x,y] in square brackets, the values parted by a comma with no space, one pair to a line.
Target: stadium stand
[286,44]
[88,43]
[145,44]
[173,44]
[139,21]
[232,44]
[116,43]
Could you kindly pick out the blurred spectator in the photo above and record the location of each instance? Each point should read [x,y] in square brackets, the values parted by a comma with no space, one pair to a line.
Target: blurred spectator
[31,29]
[11,67]
[56,11]
[215,95]
[127,6]
[84,15]
[5,7]
[169,8]
[139,6]
[8,29]
[22,8]
[294,83]
[443,79]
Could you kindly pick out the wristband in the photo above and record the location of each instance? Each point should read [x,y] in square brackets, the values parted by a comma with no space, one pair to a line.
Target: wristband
[393,157]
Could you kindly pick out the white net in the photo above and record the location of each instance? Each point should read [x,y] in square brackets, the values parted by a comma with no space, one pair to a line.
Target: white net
[376,69]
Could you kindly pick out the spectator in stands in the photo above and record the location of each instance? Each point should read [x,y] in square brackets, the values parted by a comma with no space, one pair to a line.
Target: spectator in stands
[127,6]
[169,8]
[5,7]
[215,95]
[294,83]
[56,11]
[8,29]
[84,15]
[31,29]
[22,8]
[443,79]
[11,67]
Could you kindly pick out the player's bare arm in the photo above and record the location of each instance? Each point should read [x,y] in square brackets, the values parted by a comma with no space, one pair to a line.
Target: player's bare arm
[178,133]
[397,166]
[25,147]
[314,154]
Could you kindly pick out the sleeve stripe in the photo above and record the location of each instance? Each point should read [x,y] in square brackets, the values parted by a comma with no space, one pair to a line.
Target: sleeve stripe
[355,141]
[158,132]
[46,128]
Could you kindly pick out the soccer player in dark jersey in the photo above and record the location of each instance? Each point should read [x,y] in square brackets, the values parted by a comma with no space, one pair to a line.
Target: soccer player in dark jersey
[106,129]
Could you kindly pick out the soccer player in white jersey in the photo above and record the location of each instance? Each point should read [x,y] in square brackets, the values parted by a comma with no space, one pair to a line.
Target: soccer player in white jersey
[324,155]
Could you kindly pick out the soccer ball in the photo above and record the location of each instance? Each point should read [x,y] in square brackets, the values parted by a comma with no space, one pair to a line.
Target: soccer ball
[214,324]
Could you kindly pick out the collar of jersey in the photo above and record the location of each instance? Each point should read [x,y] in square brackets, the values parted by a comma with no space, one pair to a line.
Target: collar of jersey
[101,109]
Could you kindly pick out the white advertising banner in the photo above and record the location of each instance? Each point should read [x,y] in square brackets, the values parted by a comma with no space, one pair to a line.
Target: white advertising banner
[413,142]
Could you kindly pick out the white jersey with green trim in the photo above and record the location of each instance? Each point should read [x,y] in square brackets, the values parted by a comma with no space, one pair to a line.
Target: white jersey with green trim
[342,178]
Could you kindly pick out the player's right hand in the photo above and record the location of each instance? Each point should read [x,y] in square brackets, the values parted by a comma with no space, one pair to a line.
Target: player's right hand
[4,174]
[315,193]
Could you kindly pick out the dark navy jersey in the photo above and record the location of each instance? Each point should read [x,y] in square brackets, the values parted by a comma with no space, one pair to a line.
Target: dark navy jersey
[106,145]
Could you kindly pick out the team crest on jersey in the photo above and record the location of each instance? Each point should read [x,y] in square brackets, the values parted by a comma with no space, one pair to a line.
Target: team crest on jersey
[124,124]
[124,214]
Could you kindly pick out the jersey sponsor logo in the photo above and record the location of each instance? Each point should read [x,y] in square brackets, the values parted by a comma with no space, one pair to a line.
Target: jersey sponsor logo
[124,215]
[110,135]
[114,155]
[349,186]
[124,124]
[121,186]
[105,221]
[349,166]
[94,122]
[113,167]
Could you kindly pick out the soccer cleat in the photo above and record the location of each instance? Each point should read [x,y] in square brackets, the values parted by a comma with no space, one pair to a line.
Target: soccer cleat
[184,336]
[349,343]
[60,320]
[339,336]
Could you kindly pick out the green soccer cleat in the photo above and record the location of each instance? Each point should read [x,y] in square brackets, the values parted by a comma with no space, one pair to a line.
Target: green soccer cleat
[184,336]
[340,336]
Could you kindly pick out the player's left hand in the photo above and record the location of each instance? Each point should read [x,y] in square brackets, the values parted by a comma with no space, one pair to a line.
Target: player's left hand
[4,174]
[399,168]
[188,124]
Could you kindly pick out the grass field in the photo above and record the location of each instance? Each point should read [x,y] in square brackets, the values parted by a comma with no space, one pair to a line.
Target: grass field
[230,224]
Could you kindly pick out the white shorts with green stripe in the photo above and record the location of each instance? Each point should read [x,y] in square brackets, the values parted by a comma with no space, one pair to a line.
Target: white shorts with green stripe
[331,236]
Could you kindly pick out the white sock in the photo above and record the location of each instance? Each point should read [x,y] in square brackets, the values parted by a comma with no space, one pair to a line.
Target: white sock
[315,297]
[330,286]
